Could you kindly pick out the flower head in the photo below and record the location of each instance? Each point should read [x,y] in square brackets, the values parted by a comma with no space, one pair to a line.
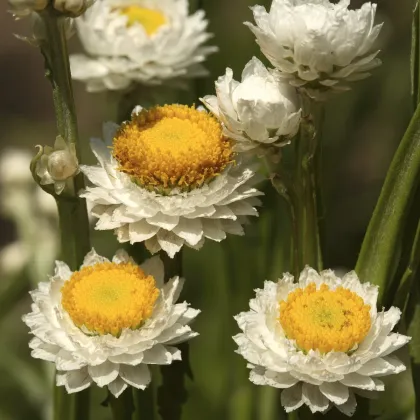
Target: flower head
[106,322]
[169,177]
[259,111]
[321,340]
[317,45]
[57,165]
[139,41]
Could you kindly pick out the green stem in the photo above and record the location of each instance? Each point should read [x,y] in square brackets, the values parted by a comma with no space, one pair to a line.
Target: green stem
[74,223]
[62,403]
[406,283]
[144,402]
[172,394]
[380,250]
[305,201]
[122,408]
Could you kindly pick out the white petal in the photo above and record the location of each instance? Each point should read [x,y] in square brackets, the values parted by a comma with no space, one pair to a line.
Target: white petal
[76,380]
[154,267]
[291,398]
[140,231]
[335,392]
[381,367]
[93,258]
[117,387]
[136,376]
[158,355]
[163,221]
[349,407]
[358,381]
[104,374]
[169,242]
[121,256]
[314,399]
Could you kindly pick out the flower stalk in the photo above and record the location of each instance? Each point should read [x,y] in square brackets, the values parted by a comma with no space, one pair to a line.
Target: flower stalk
[122,407]
[172,394]
[305,198]
[74,223]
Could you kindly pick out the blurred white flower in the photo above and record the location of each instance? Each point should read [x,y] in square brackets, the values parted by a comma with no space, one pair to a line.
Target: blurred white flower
[21,8]
[57,165]
[320,340]
[139,41]
[14,167]
[169,177]
[259,111]
[13,258]
[94,339]
[317,45]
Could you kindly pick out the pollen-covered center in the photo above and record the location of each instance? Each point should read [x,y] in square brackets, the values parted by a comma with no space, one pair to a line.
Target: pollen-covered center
[172,146]
[325,319]
[150,19]
[106,298]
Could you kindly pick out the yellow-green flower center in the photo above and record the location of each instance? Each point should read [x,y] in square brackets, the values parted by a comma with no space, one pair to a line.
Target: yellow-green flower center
[150,19]
[106,298]
[325,319]
[172,146]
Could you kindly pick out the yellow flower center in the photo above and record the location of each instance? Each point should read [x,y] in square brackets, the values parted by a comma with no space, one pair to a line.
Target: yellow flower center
[150,19]
[325,319]
[106,298]
[172,146]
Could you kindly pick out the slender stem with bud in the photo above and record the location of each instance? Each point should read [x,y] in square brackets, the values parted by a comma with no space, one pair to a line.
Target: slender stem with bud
[74,223]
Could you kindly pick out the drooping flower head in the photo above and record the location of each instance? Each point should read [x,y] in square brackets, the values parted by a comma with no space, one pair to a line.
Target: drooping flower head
[140,41]
[320,340]
[106,322]
[317,45]
[259,111]
[169,177]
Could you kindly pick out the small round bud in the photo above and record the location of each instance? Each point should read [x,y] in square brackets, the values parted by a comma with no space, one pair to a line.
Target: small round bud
[72,8]
[62,165]
[55,165]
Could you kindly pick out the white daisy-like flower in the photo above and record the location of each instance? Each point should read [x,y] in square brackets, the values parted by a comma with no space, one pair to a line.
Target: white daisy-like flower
[107,322]
[320,340]
[140,41]
[261,110]
[169,177]
[318,45]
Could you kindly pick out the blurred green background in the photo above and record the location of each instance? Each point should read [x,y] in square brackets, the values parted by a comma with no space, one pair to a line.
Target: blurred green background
[361,133]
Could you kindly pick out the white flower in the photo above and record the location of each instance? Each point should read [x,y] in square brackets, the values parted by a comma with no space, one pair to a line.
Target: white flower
[21,8]
[14,167]
[260,110]
[318,45]
[169,180]
[105,323]
[139,41]
[320,340]
[57,165]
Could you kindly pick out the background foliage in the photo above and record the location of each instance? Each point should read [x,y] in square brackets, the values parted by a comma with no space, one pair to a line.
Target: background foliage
[361,133]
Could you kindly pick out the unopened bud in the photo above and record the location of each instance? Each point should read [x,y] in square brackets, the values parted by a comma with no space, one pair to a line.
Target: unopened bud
[72,8]
[57,165]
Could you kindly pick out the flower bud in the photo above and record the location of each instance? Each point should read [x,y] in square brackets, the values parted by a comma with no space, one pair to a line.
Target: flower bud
[57,165]
[259,112]
[72,8]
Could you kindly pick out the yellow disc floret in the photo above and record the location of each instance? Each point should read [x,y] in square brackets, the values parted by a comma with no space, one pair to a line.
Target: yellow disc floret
[172,146]
[150,19]
[106,298]
[324,319]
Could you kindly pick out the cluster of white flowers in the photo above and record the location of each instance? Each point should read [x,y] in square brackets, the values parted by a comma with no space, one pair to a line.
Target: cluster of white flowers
[175,175]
